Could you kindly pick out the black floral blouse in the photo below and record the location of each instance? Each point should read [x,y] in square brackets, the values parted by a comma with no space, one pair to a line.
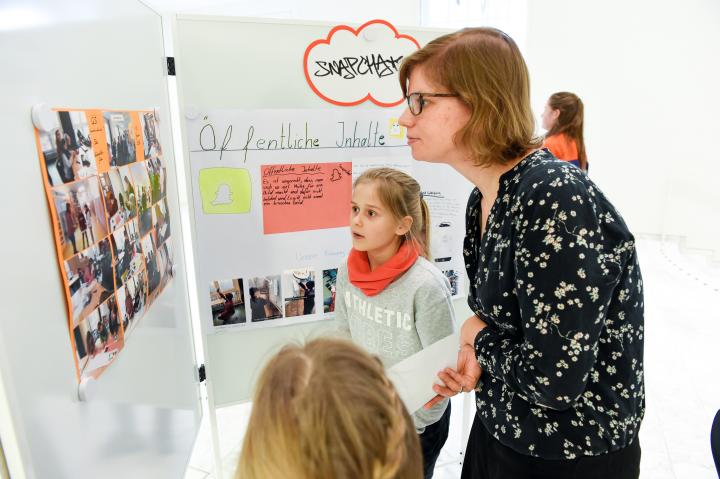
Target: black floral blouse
[557,280]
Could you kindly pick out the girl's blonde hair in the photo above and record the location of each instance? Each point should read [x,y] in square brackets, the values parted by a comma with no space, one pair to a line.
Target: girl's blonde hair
[400,193]
[485,68]
[327,410]
[570,121]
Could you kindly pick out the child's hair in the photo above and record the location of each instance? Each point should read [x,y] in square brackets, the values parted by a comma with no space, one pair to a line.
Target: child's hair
[327,410]
[400,193]
[570,121]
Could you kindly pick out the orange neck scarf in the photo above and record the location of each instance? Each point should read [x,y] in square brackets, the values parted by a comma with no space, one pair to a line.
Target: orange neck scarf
[374,282]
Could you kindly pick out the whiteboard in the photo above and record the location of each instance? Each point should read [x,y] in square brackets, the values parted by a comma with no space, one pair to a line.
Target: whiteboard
[250,64]
[141,417]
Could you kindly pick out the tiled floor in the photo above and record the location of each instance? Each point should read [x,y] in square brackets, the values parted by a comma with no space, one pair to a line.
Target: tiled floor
[682,371]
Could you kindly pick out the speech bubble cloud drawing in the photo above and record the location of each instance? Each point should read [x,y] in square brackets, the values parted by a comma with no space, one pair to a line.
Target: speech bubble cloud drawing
[351,66]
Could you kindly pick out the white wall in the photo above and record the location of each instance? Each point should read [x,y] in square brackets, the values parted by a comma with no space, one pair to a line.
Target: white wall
[399,12]
[648,73]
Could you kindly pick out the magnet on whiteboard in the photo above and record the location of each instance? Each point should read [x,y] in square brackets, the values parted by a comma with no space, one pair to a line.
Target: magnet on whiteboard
[43,117]
[191,112]
[86,385]
[369,35]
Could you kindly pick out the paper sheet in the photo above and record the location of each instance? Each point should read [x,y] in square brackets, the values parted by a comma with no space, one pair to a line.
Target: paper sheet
[414,376]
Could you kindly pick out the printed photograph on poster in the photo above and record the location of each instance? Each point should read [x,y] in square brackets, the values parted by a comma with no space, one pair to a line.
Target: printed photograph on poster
[299,290]
[302,197]
[151,266]
[158,178]
[131,300]
[454,280]
[103,338]
[165,263]
[67,150]
[119,201]
[329,282]
[127,252]
[144,195]
[120,138]
[90,278]
[81,215]
[227,302]
[265,298]
[151,135]
[402,163]
[160,221]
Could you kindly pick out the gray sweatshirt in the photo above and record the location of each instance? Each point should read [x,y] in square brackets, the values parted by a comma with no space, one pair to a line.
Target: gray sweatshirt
[410,314]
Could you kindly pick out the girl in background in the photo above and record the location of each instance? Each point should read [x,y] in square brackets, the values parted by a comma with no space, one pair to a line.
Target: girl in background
[327,410]
[563,120]
[390,299]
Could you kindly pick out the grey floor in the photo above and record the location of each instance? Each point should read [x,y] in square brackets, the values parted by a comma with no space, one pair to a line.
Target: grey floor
[682,371]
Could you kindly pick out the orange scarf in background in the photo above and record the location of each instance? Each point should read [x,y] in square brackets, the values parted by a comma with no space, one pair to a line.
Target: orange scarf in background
[374,282]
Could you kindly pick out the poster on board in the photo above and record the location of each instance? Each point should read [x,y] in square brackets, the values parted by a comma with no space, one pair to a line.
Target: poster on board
[105,181]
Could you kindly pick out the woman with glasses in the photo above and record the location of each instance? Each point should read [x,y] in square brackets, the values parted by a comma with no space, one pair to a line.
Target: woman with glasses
[554,349]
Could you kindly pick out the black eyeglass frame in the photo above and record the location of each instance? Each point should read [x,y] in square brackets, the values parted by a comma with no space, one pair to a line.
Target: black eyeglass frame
[421,100]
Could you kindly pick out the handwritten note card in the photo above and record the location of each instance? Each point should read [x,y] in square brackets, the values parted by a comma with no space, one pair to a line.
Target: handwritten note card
[303,197]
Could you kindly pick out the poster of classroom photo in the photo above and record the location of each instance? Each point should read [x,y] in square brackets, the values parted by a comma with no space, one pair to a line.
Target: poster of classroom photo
[151,266]
[144,195]
[164,262]
[89,276]
[329,282]
[227,302]
[120,138]
[119,195]
[127,252]
[66,148]
[98,339]
[131,299]
[265,298]
[299,288]
[81,215]
[157,175]
[151,135]
[160,221]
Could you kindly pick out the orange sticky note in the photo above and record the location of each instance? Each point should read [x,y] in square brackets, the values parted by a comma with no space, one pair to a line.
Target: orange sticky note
[308,196]
[99,142]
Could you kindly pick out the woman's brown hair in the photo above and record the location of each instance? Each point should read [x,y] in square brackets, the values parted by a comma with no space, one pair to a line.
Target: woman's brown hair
[400,194]
[327,410]
[485,68]
[570,120]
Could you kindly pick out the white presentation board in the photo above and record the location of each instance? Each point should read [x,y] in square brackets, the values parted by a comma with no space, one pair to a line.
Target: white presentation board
[141,416]
[243,86]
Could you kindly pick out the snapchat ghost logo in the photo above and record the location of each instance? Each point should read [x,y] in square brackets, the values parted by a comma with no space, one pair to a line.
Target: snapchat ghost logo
[223,195]
[396,131]
[225,190]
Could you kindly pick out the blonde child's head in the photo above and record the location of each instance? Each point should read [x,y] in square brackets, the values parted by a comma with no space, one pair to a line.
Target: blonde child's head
[400,194]
[327,410]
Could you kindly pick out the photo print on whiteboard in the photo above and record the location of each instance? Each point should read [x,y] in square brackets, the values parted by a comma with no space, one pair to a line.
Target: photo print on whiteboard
[299,290]
[118,208]
[131,300]
[454,279]
[103,338]
[329,283]
[67,150]
[265,297]
[90,278]
[144,196]
[120,138]
[151,135]
[157,175]
[151,266]
[81,215]
[127,252]
[160,222]
[227,302]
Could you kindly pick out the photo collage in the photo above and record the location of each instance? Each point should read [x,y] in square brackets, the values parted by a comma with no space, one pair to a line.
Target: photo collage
[106,185]
[272,300]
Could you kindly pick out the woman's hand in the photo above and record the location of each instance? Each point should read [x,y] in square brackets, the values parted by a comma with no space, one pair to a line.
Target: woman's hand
[463,380]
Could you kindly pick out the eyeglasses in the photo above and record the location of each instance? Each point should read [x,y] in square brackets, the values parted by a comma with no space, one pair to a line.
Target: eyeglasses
[416,101]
